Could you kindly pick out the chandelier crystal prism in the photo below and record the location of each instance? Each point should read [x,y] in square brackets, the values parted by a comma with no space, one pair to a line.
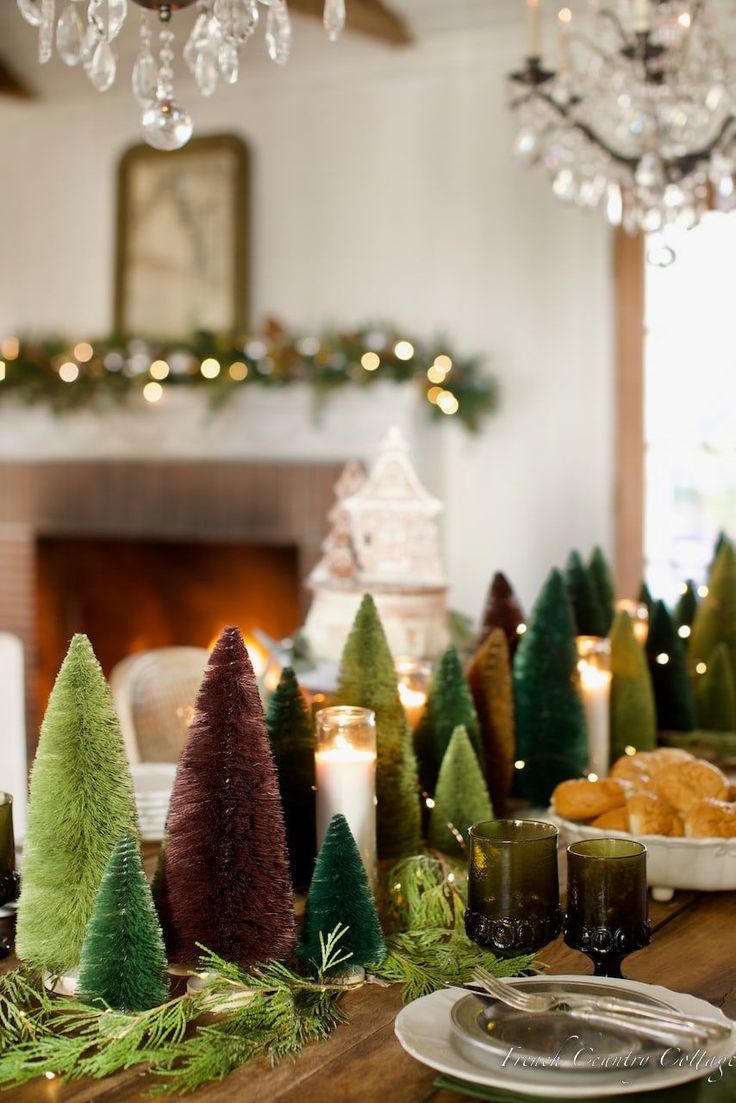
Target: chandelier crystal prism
[83,32]
[638,118]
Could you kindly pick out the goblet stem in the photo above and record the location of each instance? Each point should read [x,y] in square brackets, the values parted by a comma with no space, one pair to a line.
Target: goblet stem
[611,967]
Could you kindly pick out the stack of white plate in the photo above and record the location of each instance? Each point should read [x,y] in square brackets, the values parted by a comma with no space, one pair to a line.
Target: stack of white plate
[152,784]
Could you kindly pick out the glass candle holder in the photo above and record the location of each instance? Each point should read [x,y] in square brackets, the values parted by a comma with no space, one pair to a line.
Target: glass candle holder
[513,886]
[639,614]
[9,881]
[414,677]
[345,768]
[607,903]
[594,672]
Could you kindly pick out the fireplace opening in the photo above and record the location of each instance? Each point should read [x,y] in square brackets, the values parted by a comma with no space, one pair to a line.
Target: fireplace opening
[136,595]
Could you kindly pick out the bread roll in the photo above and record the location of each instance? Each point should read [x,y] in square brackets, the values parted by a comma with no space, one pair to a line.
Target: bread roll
[648,814]
[633,770]
[683,784]
[615,820]
[711,819]
[663,757]
[580,799]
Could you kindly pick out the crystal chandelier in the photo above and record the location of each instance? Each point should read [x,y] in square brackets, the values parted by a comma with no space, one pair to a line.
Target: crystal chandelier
[84,31]
[638,118]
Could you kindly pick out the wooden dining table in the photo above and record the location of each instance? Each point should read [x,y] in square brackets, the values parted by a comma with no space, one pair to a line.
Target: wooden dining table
[693,950]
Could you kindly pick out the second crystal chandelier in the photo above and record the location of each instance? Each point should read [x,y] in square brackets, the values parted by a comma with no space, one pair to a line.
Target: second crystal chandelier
[83,32]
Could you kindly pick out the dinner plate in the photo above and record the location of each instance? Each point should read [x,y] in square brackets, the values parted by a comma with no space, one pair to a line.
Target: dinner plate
[424,1028]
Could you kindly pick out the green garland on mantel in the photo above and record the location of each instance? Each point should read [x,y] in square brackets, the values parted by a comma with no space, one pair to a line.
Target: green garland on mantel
[70,376]
[270,1011]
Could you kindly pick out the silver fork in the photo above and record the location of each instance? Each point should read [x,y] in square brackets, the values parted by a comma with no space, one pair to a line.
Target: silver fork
[650,1019]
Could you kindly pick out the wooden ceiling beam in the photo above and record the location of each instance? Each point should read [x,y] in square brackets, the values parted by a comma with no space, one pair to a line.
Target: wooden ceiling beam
[369,17]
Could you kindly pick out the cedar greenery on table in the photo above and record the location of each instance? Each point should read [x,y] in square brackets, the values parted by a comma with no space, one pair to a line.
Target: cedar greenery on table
[112,369]
[268,1011]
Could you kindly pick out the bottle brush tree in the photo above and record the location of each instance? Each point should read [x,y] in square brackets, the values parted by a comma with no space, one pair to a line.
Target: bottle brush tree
[292,742]
[226,881]
[715,693]
[449,705]
[340,896]
[715,619]
[551,736]
[461,797]
[502,610]
[644,597]
[687,604]
[81,803]
[123,963]
[588,615]
[673,692]
[633,715]
[489,677]
[601,580]
[367,679]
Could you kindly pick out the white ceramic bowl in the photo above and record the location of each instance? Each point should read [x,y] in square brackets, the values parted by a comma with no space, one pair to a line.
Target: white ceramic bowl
[702,865]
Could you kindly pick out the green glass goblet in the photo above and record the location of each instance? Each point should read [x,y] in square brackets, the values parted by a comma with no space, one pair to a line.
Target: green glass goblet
[607,901]
[513,886]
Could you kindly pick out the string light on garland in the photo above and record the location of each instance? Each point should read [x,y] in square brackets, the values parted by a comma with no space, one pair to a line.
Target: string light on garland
[663,658]
[113,370]
[700,668]
[684,631]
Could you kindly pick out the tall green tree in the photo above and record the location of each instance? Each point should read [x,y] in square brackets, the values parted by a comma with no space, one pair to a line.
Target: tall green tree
[81,803]
[551,735]
[340,895]
[633,715]
[715,693]
[292,742]
[687,604]
[644,597]
[461,797]
[673,692]
[489,677]
[449,705]
[123,962]
[715,619]
[587,612]
[367,679]
[601,579]
[502,610]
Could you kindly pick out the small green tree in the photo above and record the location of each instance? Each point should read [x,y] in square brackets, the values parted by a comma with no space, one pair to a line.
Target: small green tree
[601,579]
[715,693]
[551,736]
[81,803]
[633,716]
[715,619]
[292,742]
[461,797]
[502,610]
[123,962]
[587,612]
[489,677]
[367,679]
[687,604]
[340,895]
[449,705]
[673,693]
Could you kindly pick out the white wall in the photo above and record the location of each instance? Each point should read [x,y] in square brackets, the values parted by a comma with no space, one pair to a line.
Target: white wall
[384,188]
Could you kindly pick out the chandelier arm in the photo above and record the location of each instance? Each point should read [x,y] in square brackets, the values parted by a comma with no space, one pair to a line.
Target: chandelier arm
[611,16]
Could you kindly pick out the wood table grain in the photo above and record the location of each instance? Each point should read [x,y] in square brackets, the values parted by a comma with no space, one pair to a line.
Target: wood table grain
[693,950]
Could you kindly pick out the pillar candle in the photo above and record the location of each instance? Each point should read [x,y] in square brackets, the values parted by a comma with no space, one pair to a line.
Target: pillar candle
[594,668]
[345,765]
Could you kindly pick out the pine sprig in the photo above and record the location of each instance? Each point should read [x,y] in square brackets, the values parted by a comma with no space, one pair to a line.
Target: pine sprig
[241,1014]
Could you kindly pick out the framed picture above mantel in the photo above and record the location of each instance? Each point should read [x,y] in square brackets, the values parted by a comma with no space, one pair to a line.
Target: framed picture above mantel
[183,239]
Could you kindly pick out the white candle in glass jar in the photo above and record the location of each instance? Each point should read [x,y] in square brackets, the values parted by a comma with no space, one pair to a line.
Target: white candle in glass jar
[345,768]
[594,662]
